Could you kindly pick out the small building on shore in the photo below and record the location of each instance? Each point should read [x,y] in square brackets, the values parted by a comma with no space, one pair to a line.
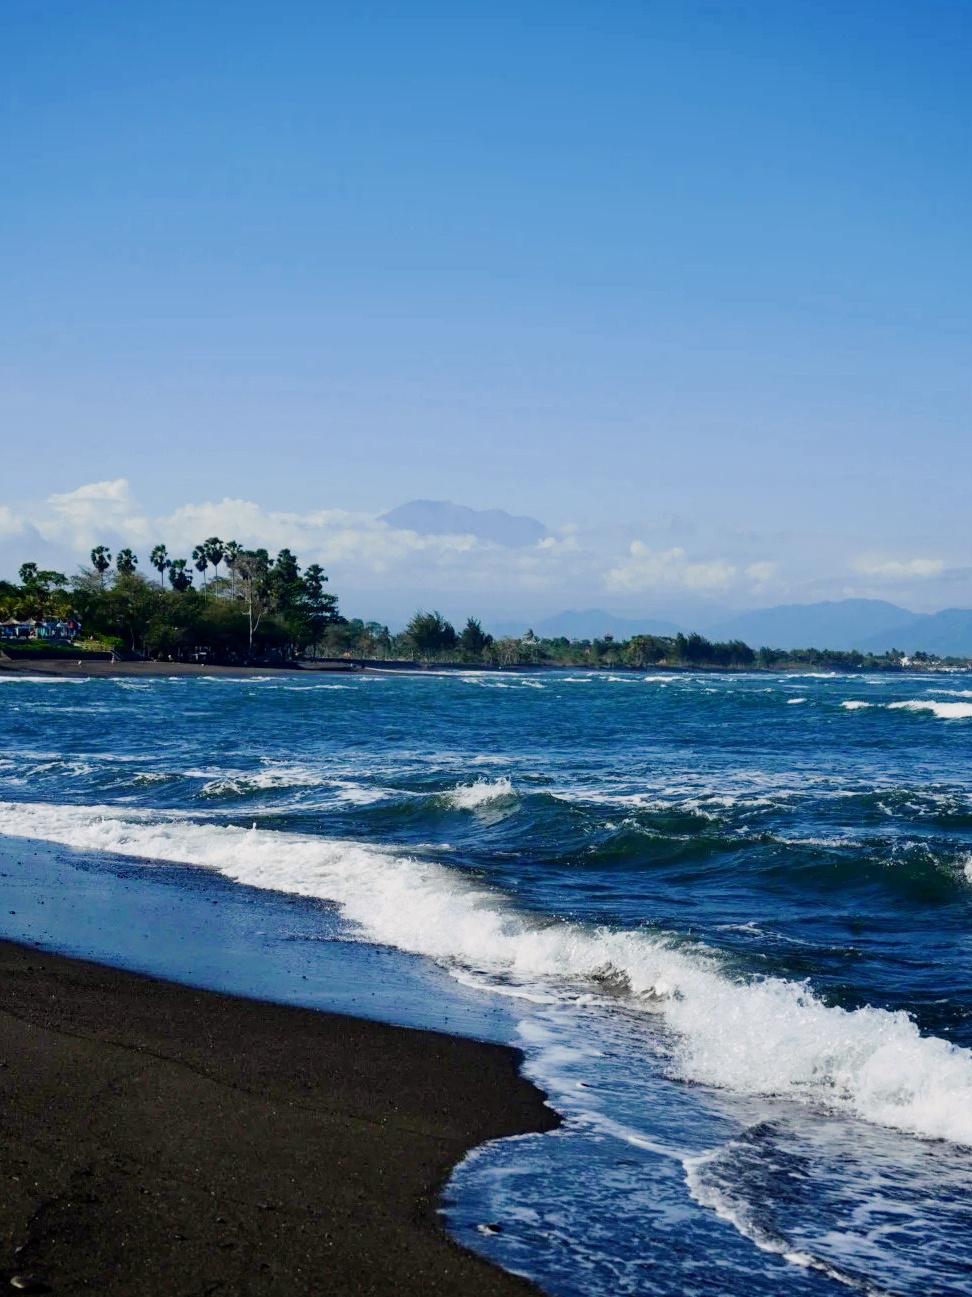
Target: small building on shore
[53,629]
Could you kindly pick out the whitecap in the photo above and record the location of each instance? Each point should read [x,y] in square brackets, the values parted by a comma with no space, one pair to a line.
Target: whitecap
[467,797]
[945,711]
[760,1036]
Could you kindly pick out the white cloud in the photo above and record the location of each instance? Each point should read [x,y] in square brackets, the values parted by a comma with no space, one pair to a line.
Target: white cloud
[95,512]
[898,569]
[762,572]
[357,549]
[10,524]
[647,569]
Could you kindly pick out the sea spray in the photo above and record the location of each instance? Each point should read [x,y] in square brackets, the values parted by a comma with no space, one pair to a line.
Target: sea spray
[769,1036]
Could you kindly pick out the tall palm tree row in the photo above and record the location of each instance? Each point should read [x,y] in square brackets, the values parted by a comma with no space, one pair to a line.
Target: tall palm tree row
[208,553]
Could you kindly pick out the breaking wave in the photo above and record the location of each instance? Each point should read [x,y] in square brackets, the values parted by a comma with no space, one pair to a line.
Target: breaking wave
[467,797]
[768,1036]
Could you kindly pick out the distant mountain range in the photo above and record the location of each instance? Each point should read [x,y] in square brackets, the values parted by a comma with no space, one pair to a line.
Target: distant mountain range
[442,517]
[591,623]
[838,624]
[866,624]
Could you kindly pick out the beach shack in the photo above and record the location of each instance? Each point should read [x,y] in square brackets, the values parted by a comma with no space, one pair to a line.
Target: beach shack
[13,628]
[52,629]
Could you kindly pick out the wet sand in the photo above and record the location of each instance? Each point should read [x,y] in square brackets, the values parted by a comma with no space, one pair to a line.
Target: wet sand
[156,1140]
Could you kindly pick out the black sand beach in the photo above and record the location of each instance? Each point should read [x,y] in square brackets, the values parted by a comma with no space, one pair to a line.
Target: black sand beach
[158,1139]
[79,669]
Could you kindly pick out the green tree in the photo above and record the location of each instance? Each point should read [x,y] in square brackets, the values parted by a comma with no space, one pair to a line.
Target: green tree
[126,562]
[200,558]
[318,609]
[231,552]
[253,567]
[101,562]
[215,552]
[430,634]
[474,641]
[179,577]
[159,559]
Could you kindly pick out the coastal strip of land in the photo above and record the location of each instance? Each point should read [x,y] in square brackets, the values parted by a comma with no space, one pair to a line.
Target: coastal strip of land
[156,1138]
[80,669]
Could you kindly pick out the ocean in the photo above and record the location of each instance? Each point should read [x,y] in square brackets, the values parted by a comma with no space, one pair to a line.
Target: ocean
[727,918]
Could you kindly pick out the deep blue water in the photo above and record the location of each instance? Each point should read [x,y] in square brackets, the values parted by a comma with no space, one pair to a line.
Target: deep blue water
[727,918]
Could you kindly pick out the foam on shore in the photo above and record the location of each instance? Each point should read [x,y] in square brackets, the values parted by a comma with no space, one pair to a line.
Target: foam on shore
[768,1036]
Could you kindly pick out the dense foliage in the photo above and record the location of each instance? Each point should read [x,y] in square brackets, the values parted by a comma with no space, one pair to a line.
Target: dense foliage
[264,609]
[429,637]
[269,609]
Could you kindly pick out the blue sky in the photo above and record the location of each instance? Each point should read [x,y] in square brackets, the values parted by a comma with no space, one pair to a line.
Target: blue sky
[690,282]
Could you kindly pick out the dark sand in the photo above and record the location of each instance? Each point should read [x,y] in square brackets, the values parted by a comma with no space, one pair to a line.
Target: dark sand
[156,1139]
[73,668]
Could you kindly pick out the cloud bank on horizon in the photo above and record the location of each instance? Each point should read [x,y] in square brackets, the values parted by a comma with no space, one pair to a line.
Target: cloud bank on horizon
[427,552]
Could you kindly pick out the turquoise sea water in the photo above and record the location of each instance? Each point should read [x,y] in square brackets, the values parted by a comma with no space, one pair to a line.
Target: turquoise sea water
[726,917]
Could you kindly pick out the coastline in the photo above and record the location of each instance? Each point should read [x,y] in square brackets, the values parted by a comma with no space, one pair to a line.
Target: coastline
[74,669]
[163,1138]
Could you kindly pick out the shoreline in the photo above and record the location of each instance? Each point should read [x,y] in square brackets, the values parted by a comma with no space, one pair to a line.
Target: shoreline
[159,1137]
[65,667]
[79,670]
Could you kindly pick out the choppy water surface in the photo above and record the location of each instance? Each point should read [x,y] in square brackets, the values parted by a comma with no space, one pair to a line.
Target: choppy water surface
[732,915]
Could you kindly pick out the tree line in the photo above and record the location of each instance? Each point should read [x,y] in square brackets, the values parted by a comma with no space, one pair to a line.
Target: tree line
[264,607]
[250,606]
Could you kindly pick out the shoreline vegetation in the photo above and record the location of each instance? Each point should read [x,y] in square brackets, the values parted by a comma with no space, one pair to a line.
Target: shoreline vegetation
[161,1138]
[262,611]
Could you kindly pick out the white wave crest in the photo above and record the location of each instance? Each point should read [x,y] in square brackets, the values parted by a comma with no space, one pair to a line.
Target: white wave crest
[792,702]
[237,783]
[756,1037]
[945,711]
[467,797]
[43,680]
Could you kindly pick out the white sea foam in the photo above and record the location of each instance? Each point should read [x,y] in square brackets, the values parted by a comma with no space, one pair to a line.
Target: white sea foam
[467,797]
[42,680]
[945,711]
[756,1037]
[733,1209]
[793,701]
[235,680]
[233,783]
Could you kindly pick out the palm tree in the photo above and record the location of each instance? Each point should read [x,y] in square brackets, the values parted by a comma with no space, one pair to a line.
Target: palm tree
[160,561]
[200,558]
[101,561]
[179,578]
[231,553]
[126,562]
[215,552]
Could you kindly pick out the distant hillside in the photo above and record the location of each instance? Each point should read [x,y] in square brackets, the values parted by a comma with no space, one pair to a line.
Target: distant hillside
[590,623]
[442,517]
[947,633]
[867,625]
[836,624]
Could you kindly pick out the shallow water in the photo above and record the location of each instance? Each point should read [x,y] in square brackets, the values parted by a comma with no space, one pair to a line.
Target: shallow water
[726,917]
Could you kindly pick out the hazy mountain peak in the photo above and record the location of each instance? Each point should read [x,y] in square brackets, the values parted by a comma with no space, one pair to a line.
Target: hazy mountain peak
[442,517]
